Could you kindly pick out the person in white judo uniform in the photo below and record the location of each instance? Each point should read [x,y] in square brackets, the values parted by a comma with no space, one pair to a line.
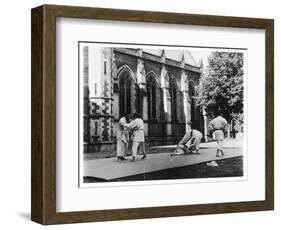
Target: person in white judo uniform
[137,126]
[217,127]
[122,137]
[188,143]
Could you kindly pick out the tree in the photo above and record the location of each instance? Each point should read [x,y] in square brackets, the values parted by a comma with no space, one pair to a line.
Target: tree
[221,88]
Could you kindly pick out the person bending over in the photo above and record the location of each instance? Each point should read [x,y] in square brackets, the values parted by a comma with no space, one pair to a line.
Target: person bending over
[189,143]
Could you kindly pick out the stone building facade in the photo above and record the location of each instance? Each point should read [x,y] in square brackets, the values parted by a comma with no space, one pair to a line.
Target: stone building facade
[158,84]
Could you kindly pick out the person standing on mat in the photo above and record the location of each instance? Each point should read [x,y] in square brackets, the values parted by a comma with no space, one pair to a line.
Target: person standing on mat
[137,126]
[218,126]
[122,137]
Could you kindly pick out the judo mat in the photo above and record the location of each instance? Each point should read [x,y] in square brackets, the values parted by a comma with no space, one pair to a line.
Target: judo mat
[109,169]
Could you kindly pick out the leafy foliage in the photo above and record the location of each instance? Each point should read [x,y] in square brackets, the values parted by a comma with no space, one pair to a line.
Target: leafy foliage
[221,89]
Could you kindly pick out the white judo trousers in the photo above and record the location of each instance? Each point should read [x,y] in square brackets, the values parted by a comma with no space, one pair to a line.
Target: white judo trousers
[218,125]
[219,137]
[195,139]
[122,137]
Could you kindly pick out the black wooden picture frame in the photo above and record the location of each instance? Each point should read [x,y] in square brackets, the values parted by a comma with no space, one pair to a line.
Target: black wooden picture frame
[43,208]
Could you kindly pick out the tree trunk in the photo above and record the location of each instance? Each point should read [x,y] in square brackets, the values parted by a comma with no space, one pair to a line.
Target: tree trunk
[228,130]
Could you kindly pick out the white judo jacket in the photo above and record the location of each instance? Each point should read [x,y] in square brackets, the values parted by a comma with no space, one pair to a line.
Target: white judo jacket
[218,123]
[137,126]
[197,135]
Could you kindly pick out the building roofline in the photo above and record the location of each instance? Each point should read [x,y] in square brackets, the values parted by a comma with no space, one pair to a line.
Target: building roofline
[156,58]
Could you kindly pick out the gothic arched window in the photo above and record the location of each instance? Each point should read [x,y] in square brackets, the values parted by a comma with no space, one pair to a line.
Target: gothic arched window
[151,97]
[191,92]
[173,93]
[138,100]
[125,92]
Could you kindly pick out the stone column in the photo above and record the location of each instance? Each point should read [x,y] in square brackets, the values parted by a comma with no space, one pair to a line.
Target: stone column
[86,105]
[141,81]
[166,99]
[184,89]
[107,95]
[95,95]
[144,111]
[205,124]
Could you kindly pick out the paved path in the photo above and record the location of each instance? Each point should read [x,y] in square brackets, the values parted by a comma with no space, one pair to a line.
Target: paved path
[109,169]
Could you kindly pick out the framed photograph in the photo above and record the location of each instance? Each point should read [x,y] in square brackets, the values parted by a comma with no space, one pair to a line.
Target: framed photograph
[139,114]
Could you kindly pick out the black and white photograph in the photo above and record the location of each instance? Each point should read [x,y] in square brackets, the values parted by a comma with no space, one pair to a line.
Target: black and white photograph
[155,112]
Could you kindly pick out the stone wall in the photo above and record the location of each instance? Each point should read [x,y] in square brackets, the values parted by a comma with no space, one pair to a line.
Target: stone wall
[138,66]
